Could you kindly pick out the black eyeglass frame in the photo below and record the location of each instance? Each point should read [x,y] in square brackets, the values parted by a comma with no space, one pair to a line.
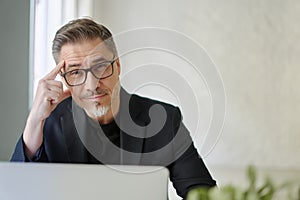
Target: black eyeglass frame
[89,70]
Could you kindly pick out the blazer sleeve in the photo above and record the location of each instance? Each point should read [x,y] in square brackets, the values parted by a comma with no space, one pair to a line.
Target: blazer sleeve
[188,170]
[20,156]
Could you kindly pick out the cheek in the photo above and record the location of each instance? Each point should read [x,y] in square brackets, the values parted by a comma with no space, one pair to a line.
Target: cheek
[108,84]
[76,91]
[116,85]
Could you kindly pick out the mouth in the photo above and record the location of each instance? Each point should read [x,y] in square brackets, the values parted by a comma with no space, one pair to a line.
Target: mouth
[96,97]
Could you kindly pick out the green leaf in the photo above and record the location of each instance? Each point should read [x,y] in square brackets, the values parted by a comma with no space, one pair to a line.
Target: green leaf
[251,172]
[199,193]
[266,192]
[224,193]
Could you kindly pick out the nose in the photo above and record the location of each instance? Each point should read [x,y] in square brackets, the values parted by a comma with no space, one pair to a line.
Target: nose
[91,82]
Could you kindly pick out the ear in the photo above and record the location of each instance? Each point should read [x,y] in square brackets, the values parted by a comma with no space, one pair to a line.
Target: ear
[118,66]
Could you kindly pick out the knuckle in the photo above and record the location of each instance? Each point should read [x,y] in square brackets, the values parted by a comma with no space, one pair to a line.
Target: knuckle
[41,82]
[60,84]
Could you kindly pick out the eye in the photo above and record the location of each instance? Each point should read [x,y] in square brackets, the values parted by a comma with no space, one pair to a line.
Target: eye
[75,73]
[100,67]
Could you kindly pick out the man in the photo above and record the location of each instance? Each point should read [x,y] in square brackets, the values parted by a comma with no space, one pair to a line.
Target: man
[97,121]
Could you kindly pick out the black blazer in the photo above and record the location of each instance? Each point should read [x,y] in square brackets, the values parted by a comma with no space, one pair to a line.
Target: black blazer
[149,135]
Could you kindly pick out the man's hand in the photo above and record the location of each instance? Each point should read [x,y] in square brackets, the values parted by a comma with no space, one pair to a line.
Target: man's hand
[48,95]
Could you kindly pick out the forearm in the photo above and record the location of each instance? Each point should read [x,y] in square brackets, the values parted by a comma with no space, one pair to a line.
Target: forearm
[33,136]
[189,171]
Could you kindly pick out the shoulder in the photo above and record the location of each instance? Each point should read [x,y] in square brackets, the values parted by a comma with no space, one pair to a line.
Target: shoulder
[143,105]
[139,101]
[149,102]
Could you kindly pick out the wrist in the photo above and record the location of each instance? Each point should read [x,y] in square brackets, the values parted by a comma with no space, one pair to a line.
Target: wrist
[33,136]
[34,121]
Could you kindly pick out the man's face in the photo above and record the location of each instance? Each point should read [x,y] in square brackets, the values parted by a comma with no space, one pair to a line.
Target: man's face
[95,96]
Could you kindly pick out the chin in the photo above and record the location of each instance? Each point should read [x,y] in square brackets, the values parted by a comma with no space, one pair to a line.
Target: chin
[99,111]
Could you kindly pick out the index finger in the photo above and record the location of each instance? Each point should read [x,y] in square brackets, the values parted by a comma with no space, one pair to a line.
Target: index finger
[52,75]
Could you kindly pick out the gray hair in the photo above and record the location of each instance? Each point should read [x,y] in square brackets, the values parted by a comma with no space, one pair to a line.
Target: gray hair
[79,30]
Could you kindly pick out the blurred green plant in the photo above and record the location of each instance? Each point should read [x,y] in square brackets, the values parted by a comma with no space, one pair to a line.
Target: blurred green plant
[230,192]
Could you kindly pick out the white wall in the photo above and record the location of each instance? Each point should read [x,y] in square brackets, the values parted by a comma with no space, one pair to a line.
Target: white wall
[14,57]
[256,46]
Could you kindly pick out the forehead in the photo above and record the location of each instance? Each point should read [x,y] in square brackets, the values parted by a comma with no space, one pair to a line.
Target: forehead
[84,51]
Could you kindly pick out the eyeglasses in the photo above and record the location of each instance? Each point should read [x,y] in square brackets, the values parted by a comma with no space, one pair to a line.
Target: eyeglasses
[100,71]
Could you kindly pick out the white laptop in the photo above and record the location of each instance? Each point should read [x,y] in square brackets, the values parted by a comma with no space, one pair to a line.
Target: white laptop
[33,181]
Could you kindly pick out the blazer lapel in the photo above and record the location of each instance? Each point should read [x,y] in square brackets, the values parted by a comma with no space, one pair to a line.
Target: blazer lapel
[131,148]
[76,151]
[130,127]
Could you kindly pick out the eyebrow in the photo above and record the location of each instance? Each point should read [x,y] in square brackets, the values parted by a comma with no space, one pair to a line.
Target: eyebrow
[100,60]
[73,65]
